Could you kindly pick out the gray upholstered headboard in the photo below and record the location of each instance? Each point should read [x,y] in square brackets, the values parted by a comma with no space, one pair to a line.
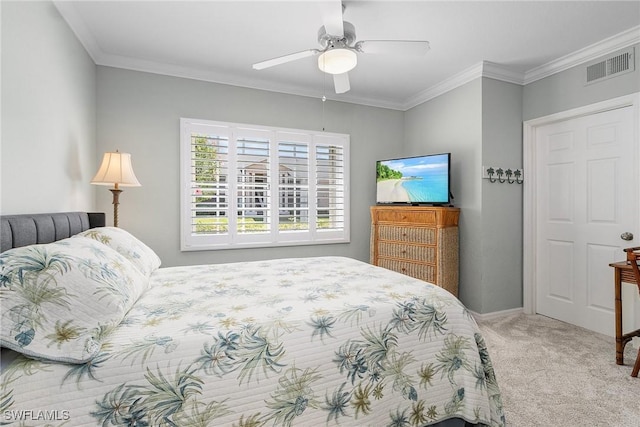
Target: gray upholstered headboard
[29,229]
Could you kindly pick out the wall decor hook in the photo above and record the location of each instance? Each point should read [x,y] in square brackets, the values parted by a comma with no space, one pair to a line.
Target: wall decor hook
[490,172]
[498,174]
[509,174]
[518,174]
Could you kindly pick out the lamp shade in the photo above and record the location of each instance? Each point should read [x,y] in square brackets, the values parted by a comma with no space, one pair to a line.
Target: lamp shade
[337,61]
[116,170]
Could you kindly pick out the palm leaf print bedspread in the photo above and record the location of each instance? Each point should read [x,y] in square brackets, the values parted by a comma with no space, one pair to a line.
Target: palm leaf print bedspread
[291,342]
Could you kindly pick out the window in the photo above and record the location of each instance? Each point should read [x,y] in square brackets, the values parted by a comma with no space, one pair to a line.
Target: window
[251,186]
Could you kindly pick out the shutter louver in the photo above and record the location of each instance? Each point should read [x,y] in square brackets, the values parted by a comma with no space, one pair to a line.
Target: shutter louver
[209,184]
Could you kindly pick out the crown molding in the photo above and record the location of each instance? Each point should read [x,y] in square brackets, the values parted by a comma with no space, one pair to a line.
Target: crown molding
[445,86]
[206,75]
[483,69]
[502,73]
[69,13]
[594,51]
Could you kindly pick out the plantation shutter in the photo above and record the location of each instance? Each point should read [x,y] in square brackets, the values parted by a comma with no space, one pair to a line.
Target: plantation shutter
[293,183]
[330,186]
[252,173]
[209,182]
[254,186]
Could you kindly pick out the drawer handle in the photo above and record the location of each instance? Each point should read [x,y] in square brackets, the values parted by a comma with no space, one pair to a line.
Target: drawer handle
[404,234]
[403,252]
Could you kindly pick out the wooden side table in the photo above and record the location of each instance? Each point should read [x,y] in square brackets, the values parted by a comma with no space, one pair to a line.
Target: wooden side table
[622,273]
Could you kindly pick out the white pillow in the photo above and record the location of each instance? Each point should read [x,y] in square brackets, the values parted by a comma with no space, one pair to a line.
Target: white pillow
[60,300]
[141,255]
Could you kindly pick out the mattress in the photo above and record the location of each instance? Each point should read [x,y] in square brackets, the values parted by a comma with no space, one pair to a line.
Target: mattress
[288,342]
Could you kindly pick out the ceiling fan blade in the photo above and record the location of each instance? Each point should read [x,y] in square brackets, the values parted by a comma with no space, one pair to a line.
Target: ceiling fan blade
[286,58]
[395,47]
[341,82]
[331,12]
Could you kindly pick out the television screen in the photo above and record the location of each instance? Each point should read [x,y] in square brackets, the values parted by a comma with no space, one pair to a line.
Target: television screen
[414,180]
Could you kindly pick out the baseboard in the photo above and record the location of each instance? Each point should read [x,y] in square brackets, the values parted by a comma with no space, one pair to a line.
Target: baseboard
[496,314]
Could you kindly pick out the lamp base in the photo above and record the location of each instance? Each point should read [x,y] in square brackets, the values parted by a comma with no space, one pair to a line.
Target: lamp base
[116,201]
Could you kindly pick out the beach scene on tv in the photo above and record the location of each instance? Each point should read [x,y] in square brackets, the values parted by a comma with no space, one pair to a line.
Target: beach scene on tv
[413,180]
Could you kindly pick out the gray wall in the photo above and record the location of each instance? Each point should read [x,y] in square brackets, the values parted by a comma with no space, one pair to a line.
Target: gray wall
[453,123]
[501,230]
[566,90]
[480,124]
[139,113]
[48,113]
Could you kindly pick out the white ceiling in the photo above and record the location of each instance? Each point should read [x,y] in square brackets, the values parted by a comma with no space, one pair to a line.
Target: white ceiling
[218,41]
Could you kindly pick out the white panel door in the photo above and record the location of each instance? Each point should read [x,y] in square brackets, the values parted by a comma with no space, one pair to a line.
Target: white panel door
[586,198]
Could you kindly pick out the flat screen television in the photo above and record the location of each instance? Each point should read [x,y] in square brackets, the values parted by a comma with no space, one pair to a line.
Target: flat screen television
[414,180]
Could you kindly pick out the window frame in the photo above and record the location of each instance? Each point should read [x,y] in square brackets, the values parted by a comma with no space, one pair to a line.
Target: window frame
[273,237]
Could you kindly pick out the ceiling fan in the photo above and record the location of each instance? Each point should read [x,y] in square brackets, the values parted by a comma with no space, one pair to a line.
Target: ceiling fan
[339,48]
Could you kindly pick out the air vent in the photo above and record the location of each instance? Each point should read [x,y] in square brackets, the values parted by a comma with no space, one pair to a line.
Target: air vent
[618,63]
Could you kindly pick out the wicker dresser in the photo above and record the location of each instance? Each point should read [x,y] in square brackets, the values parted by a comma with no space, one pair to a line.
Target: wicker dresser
[418,241]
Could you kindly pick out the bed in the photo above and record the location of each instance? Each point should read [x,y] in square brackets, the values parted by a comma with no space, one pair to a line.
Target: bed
[96,333]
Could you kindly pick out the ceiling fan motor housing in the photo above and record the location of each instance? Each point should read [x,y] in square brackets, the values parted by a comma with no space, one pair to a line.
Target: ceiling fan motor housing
[329,41]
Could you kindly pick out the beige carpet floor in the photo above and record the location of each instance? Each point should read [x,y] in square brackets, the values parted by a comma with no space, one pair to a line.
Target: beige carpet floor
[555,374]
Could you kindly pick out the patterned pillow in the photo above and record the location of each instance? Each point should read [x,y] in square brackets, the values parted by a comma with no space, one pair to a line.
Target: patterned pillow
[60,300]
[141,255]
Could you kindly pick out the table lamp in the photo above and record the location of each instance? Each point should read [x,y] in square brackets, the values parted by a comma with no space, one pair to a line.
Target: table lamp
[116,170]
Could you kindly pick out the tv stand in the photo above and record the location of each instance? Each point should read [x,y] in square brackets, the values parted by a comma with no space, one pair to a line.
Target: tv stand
[419,241]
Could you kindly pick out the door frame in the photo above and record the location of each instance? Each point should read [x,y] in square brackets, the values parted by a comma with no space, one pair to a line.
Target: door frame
[529,226]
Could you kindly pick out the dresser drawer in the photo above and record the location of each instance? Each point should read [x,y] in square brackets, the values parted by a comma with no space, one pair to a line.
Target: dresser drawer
[395,216]
[419,271]
[410,252]
[424,235]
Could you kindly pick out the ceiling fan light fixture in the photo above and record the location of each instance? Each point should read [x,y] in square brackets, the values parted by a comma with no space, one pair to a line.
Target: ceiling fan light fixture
[337,61]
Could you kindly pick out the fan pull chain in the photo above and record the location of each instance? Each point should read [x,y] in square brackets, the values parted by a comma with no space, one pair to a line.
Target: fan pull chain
[324,99]
[324,93]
